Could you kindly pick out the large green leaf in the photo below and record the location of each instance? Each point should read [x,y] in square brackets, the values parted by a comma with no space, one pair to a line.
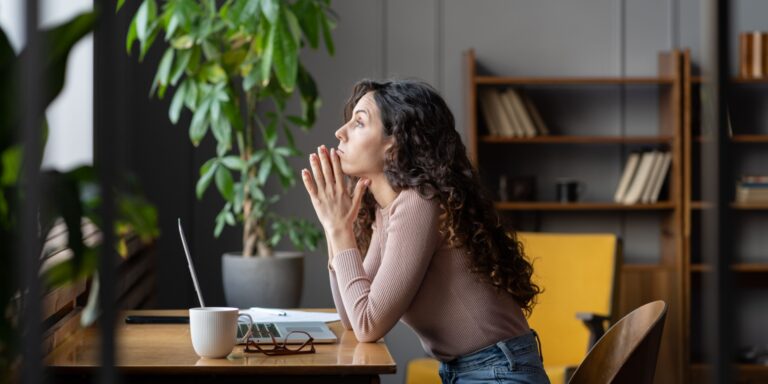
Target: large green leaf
[144,17]
[270,8]
[308,13]
[224,183]
[310,97]
[206,175]
[268,54]
[180,65]
[177,102]
[163,71]
[286,53]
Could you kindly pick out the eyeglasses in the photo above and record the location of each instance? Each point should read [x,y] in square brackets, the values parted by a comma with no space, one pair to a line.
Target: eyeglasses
[308,346]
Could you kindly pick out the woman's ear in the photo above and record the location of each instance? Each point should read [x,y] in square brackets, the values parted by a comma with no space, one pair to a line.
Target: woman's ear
[388,154]
[389,142]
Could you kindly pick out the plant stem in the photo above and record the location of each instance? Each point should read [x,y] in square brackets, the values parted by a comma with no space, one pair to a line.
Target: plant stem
[249,233]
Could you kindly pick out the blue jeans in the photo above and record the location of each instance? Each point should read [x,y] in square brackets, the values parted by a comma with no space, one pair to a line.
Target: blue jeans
[515,360]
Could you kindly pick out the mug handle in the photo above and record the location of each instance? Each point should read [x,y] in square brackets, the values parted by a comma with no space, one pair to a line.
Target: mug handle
[250,327]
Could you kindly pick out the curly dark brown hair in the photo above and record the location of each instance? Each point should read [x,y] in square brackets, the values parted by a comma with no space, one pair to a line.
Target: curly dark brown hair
[430,157]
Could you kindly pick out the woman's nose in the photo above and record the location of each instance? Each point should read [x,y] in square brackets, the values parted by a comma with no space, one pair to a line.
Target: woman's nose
[339,133]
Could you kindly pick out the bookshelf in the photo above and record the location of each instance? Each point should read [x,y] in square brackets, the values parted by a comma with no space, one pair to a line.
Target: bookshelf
[750,275]
[596,149]
[565,139]
[550,206]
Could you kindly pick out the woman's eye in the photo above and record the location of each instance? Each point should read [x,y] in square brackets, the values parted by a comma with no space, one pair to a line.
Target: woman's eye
[359,123]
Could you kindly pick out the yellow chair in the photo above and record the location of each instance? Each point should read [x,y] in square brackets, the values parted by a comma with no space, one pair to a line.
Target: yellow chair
[578,273]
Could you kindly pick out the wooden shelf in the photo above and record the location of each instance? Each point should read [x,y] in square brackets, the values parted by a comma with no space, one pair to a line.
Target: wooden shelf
[749,138]
[559,139]
[743,80]
[501,80]
[750,206]
[754,139]
[698,205]
[588,206]
[738,267]
[743,371]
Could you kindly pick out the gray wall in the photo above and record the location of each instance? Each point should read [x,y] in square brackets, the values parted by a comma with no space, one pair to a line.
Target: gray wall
[425,39]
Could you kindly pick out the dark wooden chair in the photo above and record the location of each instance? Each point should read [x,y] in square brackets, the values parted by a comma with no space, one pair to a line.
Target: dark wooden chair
[627,353]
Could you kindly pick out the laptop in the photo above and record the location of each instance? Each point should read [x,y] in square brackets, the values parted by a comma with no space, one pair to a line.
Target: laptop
[261,331]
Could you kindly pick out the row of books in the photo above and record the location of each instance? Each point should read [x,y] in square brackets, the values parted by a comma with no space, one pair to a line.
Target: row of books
[643,177]
[752,189]
[510,113]
[753,54]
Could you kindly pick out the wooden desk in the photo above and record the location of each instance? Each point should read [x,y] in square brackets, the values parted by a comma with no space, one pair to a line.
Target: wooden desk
[163,353]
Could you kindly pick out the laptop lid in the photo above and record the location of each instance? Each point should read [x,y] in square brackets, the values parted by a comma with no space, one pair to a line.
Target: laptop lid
[191,265]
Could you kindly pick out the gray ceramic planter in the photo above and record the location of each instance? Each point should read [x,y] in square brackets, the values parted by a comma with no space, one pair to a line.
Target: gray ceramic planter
[272,282]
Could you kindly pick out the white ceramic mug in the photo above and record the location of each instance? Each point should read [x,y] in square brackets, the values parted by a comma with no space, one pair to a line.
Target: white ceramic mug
[214,330]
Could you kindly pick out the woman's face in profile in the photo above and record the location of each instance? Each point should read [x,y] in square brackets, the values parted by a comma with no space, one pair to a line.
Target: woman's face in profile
[362,143]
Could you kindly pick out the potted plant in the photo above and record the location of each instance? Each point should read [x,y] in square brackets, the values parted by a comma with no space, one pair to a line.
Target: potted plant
[234,65]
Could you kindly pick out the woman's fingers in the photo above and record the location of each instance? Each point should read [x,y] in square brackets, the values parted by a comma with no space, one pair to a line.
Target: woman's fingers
[314,162]
[337,174]
[308,183]
[325,164]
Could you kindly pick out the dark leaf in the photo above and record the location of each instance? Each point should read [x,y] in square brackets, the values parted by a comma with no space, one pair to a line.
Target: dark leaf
[206,175]
[180,65]
[199,125]
[224,183]
[326,25]
[233,162]
[270,8]
[130,38]
[267,55]
[307,12]
[286,55]
[178,102]
[144,16]
[163,71]
[264,168]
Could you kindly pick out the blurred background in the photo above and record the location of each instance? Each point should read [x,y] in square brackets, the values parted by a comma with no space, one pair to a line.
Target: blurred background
[674,76]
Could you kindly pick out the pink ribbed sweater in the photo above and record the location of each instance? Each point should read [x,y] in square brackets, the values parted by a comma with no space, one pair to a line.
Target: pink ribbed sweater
[410,274]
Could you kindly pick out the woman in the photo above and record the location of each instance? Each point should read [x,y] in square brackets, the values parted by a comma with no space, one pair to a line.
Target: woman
[413,238]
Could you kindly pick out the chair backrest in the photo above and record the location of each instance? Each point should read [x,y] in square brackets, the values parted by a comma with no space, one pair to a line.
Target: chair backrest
[578,274]
[627,353]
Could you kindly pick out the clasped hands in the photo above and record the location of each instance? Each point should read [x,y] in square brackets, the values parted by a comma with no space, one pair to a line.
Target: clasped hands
[327,188]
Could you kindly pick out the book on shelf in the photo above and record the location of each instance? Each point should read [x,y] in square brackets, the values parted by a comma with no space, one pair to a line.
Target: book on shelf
[645,195]
[514,118]
[643,185]
[509,113]
[489,114]
[626,176]
[509,124]
[538,122]
[525,123]
[757,54]
[752,189]
[660,176]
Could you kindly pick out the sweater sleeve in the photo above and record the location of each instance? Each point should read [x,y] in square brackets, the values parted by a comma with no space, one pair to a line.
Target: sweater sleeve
[338,302]
[335,292]
[374,305]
